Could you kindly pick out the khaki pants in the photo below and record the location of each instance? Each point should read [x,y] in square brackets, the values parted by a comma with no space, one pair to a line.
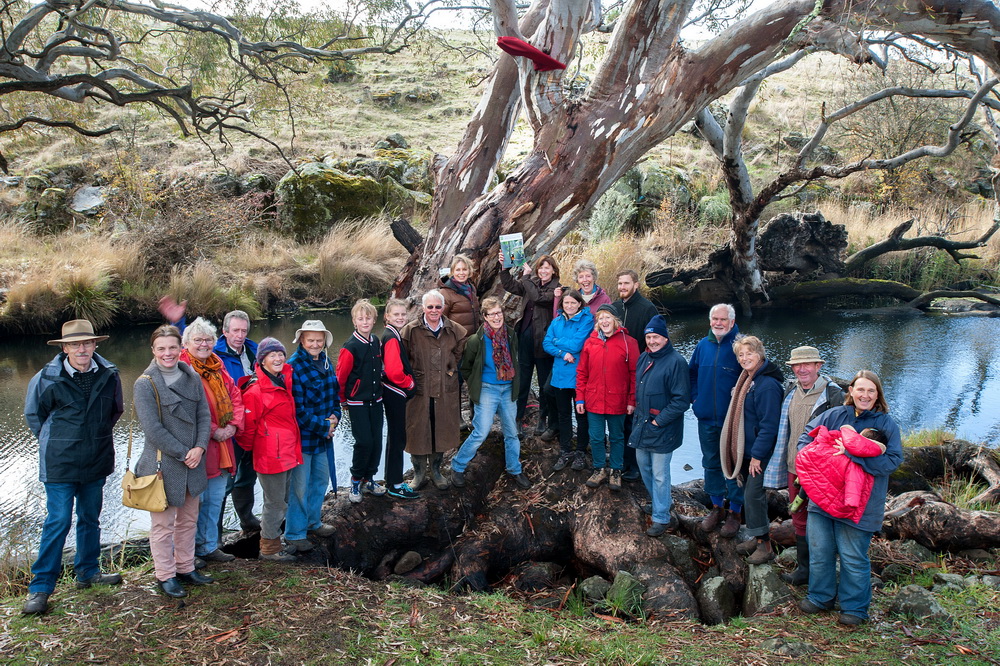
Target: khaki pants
[171,538]
[275,487]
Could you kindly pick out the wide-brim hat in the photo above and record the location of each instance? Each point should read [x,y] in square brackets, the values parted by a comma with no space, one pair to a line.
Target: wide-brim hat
[313,325]
[77,330]
[805,354]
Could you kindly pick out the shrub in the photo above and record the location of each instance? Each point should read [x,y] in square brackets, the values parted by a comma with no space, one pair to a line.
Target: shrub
[714,209]
[610,215]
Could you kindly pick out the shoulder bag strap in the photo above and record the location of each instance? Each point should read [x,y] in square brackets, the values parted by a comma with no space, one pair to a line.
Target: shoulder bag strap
[159,411]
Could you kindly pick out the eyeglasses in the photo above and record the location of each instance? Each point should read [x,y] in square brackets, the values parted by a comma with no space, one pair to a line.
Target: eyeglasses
[202,342]
[86,344]
[494,314]
[434,307]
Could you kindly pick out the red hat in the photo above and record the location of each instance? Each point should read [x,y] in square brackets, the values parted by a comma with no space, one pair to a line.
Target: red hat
[518,47]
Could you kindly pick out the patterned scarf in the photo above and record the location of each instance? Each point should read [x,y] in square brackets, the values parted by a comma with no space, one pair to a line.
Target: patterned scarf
[211,371]
[463,288]
[501,352]
[733,438]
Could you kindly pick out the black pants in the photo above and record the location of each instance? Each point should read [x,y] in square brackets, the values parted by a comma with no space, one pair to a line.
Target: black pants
[629,461]
[366,426]
[395,423]
[543,366]
[564,401]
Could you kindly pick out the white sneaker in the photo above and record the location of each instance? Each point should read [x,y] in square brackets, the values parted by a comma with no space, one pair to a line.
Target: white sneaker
[355,493]
[374,488]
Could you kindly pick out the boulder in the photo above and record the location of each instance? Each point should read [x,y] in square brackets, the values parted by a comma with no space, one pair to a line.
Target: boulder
[224,183]
[765,590]
[88,200]
[976,554]
[393,141]
[260,182]
[389,98]
[666,182]
[625,594]
[594,589]
[990,581]
[48,212]
[716,600]
[535,576]
[314,199]
[918,603]
[666,591]
[682,553]
[407,563]
[916,551]
[949,582]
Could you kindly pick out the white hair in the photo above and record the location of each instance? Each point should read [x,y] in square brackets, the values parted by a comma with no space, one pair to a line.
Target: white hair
[199,326]
[235,314]
[433,293]
[730,310]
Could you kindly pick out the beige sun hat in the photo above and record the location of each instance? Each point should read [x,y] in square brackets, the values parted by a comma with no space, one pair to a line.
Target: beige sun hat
[313,325]
[77,330]
[804,354]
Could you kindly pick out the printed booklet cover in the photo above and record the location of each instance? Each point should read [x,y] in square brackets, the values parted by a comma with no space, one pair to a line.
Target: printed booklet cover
[513,250]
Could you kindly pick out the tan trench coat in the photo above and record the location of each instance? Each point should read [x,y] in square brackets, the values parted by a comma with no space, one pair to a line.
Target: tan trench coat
[435,362]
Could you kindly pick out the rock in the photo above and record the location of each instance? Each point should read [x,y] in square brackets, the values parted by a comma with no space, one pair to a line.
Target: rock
[422,96]
[10,181]
[394,141]
[390,98]
[895,571]
[666,591]
[535,576]
[976,554]
[682,553]
[401,201]
[982,184]
[410,560]
[625,594]
[954,581]
[765,590]
[37,182]
[916,602]
[260,182]
[224,183]
[795,140]
[667,182]
[788,648]
[88,200]
[991,581]
[594,588]
[802,242]
[314,199]
[916,551]
[788,556]
[716,600]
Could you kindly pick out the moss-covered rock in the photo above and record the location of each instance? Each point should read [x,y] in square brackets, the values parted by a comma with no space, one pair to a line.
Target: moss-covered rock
[409,167]
[47,213]
[318,195]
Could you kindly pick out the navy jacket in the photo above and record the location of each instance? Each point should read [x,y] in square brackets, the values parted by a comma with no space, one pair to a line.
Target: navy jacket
[879,467]
[762,413]
[662,395]
[75,439]
[714,371]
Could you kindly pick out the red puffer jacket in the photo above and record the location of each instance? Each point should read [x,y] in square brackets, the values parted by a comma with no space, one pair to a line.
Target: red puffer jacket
[836,483]
[270,429]
[605,374]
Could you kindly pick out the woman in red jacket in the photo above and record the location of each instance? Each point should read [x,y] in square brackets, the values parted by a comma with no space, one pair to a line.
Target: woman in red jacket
[271,432]
[605,388]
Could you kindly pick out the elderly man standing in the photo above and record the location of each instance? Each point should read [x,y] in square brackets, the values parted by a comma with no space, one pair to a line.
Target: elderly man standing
[714,371]
[806,397]
[434,344]
[72,406]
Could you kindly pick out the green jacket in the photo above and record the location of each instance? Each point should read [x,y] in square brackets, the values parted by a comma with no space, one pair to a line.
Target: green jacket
[473,359]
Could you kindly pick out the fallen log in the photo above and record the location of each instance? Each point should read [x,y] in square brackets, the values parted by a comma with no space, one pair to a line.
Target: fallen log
[925,518]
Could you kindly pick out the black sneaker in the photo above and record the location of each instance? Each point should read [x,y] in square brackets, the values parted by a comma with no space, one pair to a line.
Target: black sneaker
[100,579]
[403,492]
[579,461]
[564,460]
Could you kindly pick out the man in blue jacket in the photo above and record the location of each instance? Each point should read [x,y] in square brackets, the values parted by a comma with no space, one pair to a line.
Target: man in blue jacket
[72,406]
[662,395]
[714,371]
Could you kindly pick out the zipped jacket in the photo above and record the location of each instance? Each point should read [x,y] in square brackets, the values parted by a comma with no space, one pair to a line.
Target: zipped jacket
[270,429]
[605,375]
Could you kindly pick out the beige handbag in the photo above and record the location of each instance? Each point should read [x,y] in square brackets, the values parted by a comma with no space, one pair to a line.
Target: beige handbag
[144,492]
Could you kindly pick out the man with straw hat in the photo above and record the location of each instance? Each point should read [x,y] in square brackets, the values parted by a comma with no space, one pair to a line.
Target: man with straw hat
[72,406]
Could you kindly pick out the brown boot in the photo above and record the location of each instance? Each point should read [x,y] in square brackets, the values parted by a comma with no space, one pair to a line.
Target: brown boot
[712,520]
[747,547]
[732,525]
[764,553]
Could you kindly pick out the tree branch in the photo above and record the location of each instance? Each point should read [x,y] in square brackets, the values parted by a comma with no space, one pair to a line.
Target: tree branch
[896,243]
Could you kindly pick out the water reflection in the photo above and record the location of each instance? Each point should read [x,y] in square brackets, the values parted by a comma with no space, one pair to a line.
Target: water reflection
[937,371]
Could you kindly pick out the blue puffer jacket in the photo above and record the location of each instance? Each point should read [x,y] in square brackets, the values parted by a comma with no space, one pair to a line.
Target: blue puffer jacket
[879,467]
[75,442]
[567,335]
[662,395]
[714,371]
[232,362]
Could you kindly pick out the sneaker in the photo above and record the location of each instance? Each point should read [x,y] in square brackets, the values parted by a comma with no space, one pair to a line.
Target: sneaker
[218,556]
[324,531]
[615,480]
[521,480]
[355,493]
[563,460]
[37,603]
[597,478]
[656,529]
[100,579]
[300,545]
[579,461]
[549,435]
[403,492]
[374,488]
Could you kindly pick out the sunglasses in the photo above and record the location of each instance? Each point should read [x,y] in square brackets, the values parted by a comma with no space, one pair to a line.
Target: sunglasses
[434,307]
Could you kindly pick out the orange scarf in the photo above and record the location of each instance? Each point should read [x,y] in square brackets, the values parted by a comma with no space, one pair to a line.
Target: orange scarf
[211,372]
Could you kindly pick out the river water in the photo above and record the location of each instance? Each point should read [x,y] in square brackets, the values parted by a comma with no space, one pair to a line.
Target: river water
[938,371]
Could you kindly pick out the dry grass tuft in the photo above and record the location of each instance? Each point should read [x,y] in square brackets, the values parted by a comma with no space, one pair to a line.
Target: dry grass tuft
[202,287]
[358,259]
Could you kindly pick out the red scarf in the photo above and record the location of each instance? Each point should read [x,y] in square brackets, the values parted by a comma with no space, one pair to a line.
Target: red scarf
[501,352]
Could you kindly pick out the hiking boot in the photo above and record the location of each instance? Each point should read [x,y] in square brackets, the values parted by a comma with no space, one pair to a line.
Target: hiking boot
[280,556]
[458,478]
[647,508]
[615,480]
[218,556]
[850,620]
[631,474]
[355,493]
[405,492]
[712,520]
[806,606]
[563,460]
[597,478]
[100,579]
[252,524]
[324,531]
[656,529]
[200,563]
[747,547]
[373,488]
[195,577]
[549,435]
[521,480]
[579,461]
[172,588]
[300,545]
[37,603]
[801,574]
[732,525]
[763,553]
[421,465]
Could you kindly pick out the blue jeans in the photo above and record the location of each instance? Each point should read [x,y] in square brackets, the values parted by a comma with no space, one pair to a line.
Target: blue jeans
[493,398]
[615,424]
[828,538]
[655,470]
[206,539]
[307,486]
[59,498]
[716,485]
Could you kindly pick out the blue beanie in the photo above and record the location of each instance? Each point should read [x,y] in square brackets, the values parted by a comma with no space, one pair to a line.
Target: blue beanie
[268,345]
[658,325]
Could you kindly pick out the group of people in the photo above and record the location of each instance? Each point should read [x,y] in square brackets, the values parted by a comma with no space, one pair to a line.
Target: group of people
[222,413]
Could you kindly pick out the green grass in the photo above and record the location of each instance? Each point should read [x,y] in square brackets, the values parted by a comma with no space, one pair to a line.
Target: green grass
[928,437]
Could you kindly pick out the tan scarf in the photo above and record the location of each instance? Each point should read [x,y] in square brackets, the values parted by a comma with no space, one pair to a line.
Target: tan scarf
[211,371]
[732,441]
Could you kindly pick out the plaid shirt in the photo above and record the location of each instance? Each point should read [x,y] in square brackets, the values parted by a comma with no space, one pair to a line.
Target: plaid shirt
[316,398]
[776,472]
